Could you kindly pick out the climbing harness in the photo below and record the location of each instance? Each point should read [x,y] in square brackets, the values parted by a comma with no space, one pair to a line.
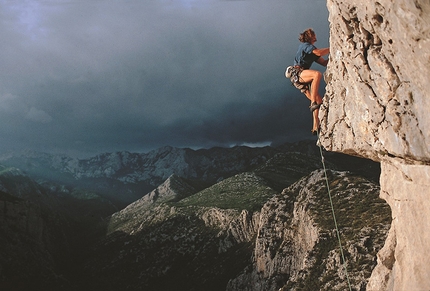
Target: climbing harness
[293,73]
[332,210]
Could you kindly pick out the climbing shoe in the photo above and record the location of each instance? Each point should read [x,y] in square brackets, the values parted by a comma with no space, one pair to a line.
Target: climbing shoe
[316,131]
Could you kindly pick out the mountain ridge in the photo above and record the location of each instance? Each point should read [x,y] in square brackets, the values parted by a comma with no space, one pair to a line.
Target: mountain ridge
[124,177]
[281,243]
[201,234]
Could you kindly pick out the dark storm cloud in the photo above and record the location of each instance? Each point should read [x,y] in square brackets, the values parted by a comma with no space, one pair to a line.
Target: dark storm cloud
[91,76]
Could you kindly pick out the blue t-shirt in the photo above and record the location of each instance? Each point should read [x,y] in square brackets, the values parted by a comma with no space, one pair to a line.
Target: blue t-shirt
[304,56]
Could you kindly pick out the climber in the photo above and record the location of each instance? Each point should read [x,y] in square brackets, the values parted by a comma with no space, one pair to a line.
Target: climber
[305,79]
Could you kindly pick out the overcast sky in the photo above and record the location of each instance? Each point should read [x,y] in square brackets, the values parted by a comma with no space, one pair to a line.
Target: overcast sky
[82,77]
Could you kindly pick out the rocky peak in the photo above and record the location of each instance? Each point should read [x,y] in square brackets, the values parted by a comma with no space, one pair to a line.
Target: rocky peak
[376,106]
[173,189]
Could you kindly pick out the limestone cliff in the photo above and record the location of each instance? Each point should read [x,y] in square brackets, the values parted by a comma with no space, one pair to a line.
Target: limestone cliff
[295,248]
[376,106]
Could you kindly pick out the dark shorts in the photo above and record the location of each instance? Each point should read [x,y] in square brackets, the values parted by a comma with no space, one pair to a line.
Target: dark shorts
[295,80]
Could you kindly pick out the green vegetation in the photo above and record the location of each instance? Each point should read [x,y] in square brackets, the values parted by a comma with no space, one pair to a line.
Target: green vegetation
[84,194]
[355,201]
[243,191]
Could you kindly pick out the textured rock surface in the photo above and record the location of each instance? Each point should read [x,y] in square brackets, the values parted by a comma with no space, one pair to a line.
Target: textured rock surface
[296,248]
[376,106]
[406,189]
[377,92]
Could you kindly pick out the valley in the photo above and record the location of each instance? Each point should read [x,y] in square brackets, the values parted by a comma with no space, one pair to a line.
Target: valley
[217,219]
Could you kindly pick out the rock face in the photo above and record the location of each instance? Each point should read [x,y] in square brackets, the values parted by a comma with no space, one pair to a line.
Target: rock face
[296,248]
[376,106]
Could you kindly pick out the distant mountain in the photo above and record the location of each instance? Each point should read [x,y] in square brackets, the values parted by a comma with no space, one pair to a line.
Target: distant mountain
[124,177]
[181,219]
[153,167]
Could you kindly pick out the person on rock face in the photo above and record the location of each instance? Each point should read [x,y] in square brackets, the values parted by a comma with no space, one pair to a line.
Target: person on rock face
[305,79]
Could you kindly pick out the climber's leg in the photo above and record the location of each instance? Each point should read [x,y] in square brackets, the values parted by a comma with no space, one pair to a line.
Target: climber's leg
[316,121]
[314,78]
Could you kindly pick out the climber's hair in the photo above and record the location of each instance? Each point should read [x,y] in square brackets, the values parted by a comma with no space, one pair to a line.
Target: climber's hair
[306,35]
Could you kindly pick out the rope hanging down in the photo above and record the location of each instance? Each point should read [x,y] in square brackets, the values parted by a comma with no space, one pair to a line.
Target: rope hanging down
[332,210]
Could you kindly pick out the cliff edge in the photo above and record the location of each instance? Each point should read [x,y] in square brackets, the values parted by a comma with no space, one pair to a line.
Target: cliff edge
[376,106]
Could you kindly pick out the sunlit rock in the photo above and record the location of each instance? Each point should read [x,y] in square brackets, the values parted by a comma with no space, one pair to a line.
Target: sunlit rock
[376,106]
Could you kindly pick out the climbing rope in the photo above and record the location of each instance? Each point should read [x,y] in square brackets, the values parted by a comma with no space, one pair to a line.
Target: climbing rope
[332,210]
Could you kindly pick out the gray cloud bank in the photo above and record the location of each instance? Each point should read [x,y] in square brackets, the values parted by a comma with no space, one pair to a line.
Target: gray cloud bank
[84,77]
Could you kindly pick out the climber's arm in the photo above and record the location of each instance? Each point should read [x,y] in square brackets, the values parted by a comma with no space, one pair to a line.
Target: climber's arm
[321,52]
[322,61]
